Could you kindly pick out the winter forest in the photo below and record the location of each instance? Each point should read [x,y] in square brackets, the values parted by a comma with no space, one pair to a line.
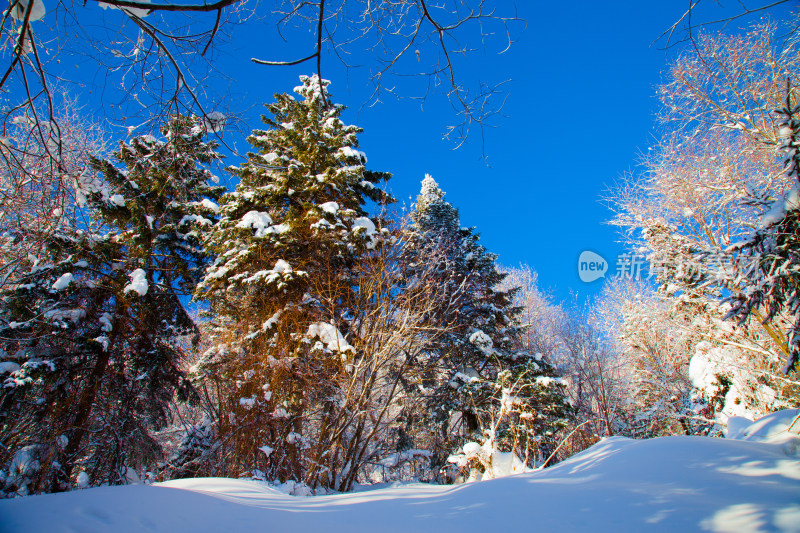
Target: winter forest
[188,294]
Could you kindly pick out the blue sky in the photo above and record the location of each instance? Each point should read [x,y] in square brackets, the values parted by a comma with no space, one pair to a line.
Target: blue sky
[580,108]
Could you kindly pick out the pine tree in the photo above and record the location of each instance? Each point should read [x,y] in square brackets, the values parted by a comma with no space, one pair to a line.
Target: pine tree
[96,330]
[282,287]
[195,455]
[474,366]
[164,201]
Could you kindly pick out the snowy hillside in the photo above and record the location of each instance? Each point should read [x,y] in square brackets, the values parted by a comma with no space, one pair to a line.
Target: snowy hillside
[751,483]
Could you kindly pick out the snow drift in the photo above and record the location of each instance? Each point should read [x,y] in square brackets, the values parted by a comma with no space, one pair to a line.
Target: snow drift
[665,484]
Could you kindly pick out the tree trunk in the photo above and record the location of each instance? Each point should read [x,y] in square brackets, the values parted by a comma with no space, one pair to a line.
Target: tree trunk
[84,409]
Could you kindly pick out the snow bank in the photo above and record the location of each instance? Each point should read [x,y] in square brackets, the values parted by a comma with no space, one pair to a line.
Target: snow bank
[781,428]
[666,484]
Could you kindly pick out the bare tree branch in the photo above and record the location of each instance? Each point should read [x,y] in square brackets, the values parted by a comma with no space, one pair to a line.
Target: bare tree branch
[685,25]
[216,6]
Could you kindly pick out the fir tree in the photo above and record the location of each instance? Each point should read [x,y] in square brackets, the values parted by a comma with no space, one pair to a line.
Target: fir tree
[195,455]
[96,330]
[164,202]
[474,366]
[286,244]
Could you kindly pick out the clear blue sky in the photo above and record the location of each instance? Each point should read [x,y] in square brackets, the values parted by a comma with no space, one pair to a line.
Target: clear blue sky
[580,109]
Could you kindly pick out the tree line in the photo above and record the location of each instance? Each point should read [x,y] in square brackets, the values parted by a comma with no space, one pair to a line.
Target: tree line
[337,340]
[332,343]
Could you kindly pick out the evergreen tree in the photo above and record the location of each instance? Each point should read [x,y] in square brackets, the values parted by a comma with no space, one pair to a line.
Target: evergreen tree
[195,455]
[282,287]
[473,368]
[95,331]
[165,201]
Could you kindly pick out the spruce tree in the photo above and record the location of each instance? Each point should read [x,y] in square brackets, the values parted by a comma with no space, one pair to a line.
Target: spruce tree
[282,289]
[95,330]
[164,202]
[474,368]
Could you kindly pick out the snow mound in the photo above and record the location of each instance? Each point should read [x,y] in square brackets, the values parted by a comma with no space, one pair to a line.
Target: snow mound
[235,488]
[63,282]
[666,484]
[781,428]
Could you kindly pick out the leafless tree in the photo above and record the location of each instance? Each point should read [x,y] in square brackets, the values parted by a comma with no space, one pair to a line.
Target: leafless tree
[595,372]
[540,317]
[693,201]
[694,19]
[37,197]
[654,341]
[391,329]
[154,59]
[718,149]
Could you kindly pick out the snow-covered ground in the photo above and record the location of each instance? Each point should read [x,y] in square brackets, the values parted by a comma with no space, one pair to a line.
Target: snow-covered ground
[750,483]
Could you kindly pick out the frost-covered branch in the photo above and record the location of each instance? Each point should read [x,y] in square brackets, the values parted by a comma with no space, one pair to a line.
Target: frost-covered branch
[689,23]
[768,262]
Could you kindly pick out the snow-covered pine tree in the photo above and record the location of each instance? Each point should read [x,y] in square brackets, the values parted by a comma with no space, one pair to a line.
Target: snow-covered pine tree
[472,368]
[521,409]
[768,263]
[195,455]
[165,201]
[281,288]
[468,273]
[95,332]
